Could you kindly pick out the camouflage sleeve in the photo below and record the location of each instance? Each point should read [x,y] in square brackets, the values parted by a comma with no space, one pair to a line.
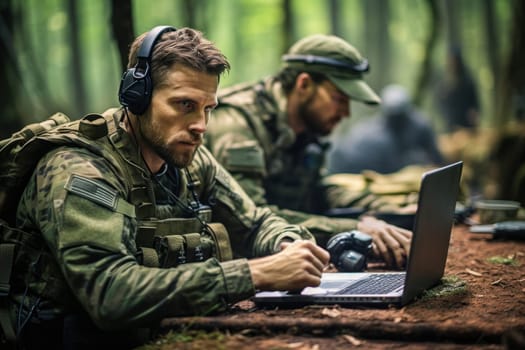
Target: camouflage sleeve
[232,142]
[93,243]
[254,230]
[321,227]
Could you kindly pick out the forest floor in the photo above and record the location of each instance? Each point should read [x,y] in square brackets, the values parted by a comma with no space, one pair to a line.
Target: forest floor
[480,305]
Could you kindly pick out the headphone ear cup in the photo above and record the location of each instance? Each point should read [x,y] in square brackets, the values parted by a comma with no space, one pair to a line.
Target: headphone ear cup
[135,92]
[136,86]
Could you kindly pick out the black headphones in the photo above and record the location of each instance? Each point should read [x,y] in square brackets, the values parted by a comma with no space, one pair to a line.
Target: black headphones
[136,85]
[311,59]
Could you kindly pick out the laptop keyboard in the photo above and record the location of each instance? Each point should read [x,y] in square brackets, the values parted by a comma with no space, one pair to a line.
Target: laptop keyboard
[375,284]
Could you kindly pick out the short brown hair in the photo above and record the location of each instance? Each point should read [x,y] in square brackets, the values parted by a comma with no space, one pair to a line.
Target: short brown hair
[287,76]
[185,46]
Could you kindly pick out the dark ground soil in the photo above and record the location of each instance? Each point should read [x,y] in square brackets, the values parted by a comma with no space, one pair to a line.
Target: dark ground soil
[483,307]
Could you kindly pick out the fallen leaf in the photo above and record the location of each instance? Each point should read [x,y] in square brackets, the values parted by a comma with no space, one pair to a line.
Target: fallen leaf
[473,273]
[331,312]
[498,281]
[352,340]
[397,320]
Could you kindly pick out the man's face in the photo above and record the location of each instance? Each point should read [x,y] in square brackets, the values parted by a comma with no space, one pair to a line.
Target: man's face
[325,108]
[174,124]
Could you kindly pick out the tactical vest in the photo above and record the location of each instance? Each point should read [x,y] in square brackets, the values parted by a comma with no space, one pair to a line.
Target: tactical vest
[292,164]
[160,243]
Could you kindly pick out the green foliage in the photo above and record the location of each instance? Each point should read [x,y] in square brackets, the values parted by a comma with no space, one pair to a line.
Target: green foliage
[450,285]
[510,260]
[210,340]
[251,34]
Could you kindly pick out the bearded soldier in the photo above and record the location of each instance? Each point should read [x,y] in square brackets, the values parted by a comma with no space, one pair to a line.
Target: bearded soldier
[268,135]
[129,220]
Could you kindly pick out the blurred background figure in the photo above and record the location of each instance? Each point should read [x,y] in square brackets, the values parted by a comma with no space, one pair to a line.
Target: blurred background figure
[398,136]
[456,94]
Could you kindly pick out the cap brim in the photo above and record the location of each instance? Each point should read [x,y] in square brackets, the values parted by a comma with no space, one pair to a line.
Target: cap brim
[357,89]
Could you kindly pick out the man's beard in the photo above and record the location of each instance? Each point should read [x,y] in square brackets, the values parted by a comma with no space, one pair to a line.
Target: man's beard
[151,135]
[311,120]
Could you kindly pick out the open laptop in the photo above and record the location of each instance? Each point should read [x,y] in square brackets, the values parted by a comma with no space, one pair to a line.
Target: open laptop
[425,265]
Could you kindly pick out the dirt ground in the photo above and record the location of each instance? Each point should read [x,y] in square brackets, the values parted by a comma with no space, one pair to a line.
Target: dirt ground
[481,306]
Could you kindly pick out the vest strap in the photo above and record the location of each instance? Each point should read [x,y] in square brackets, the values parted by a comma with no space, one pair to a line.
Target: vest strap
[7,254]
[222,241]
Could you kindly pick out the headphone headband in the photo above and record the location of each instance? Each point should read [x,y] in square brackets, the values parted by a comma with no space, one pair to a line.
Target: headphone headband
[312,59]
[149,41]
[146,49]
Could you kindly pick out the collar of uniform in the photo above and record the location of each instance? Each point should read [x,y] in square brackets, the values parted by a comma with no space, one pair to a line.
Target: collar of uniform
[127,146]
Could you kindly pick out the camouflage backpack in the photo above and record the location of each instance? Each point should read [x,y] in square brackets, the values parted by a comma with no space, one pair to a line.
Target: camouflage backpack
[19,156]
[168,243]
[14,173]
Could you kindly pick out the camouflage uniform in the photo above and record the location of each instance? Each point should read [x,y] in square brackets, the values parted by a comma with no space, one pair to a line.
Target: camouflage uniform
[81,202]
[249,134]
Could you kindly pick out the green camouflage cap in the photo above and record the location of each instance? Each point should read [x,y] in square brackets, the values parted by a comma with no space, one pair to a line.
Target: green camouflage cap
[337,59]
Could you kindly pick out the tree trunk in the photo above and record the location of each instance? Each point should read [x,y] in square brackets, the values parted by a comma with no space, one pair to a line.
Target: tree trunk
[33,96]
[513,85]
[122,27]
[190,12]
[493,53]
[9,73]
[452,22]
[506,167]
[378,44]
[78,86]
[335,18]
[288,29]
[426,68]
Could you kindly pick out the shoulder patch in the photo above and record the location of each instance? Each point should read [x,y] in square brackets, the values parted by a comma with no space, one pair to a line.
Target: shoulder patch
[93,190]
[246,156]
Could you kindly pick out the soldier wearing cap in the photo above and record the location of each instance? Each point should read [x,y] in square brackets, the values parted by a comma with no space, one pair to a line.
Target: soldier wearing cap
[267,134]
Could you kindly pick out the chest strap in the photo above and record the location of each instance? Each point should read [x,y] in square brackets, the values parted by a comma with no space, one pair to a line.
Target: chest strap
[7,254]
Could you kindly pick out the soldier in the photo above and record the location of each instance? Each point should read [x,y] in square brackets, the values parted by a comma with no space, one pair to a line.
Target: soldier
[398,136]
[267,134]
[132,212]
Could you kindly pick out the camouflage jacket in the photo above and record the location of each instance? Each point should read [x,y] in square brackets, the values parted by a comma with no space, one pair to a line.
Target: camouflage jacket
[249,134]
[81,202]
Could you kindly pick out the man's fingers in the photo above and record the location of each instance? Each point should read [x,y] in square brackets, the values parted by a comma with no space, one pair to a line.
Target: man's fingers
[318,257]
[398,237]
[391,243]
[314,257]
[384,251]
[321,254]
[398,245]
[407,234]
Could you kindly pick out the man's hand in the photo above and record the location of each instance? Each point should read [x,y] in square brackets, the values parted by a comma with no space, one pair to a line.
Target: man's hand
[390,243]
[299,264]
